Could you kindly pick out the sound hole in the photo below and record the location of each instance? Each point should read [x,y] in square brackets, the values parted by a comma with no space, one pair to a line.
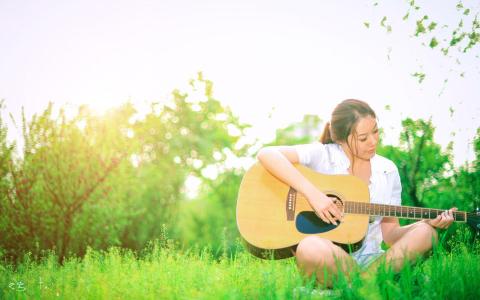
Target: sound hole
[309,223]
[336,200]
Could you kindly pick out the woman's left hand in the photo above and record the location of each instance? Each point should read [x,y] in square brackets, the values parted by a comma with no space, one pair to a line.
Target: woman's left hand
[444,220]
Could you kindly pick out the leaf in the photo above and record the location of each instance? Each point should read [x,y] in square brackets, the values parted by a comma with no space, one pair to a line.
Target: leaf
[382,22]
[456,39]
[451,111]
[474,38]
[366,24]
[420,28]
[433,43]
[432,26]
[420,76]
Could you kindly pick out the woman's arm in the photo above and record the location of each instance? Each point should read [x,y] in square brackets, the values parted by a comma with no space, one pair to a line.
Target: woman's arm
[279,160]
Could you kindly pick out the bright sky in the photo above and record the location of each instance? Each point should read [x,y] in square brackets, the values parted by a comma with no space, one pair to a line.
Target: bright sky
[284,58]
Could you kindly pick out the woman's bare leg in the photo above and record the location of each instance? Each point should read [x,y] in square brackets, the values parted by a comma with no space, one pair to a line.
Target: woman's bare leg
[417,241]
[315,254]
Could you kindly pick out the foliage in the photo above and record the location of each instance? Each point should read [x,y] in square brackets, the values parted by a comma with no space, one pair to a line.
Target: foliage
[465,35]
[112,179]
[420,161]
[210,220]
[62,180]
[305,131]
[180,140]
[455,39]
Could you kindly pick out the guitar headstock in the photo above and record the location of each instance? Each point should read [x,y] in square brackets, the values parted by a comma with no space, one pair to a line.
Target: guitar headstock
[473,219]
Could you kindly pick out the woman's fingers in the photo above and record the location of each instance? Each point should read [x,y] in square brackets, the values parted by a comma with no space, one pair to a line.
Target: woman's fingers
[331,218]
[444,220]
[328,216]
[436,221]
[335,212]
[322,216]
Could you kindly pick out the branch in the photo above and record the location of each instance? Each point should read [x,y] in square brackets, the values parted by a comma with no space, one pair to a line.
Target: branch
[78,202]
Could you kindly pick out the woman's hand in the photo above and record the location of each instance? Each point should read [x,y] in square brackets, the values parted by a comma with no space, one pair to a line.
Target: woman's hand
[444,220]
[325,208]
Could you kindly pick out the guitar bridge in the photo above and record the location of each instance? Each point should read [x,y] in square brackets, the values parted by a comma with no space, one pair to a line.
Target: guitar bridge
[290,204]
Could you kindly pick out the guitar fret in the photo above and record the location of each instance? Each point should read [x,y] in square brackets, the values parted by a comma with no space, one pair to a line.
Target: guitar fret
[375,209]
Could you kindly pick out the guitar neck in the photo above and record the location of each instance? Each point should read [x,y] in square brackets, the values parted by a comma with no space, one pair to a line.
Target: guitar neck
[407,212]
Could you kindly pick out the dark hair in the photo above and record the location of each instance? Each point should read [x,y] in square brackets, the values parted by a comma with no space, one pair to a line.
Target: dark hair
[344,119]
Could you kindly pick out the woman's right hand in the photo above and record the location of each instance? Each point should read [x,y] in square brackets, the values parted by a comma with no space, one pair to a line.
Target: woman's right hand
[325,208]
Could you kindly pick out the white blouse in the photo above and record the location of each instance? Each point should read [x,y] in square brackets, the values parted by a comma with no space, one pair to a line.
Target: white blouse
[384,187]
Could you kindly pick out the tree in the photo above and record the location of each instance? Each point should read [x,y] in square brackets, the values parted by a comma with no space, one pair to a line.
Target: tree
[420,161]
[64,170]
[307,130]
[112,179]
[461,188]
[182,139]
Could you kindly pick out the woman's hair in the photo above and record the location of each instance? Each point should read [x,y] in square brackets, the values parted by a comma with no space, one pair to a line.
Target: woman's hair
[344,120]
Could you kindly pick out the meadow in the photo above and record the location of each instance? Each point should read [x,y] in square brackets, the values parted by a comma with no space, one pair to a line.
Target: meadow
[163,271]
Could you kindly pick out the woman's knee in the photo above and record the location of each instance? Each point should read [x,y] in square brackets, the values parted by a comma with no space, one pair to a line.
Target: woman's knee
[313,249]
[426,232]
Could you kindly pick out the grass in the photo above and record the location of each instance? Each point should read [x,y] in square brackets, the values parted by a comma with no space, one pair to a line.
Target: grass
[165,273]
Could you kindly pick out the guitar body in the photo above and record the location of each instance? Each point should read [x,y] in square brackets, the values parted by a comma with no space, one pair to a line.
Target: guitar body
[273,218]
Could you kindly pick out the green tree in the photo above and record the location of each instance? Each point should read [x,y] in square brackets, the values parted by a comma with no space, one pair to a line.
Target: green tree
[420,161]
[64,170]
[306,131]
[112,179]
[462,187]
[6,154]
[180,140]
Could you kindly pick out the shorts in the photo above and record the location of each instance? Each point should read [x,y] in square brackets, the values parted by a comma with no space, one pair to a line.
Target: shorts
[364,260]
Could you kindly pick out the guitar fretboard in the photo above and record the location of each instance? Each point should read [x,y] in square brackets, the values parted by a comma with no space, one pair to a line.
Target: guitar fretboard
[408,212]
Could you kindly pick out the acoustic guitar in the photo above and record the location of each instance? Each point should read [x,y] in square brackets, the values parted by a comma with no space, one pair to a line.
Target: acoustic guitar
[273,218]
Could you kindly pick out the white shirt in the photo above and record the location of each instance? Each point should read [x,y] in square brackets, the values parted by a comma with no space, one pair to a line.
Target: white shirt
[385,186]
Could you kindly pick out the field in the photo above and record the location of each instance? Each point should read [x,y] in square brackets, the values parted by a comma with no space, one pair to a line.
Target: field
[163,272]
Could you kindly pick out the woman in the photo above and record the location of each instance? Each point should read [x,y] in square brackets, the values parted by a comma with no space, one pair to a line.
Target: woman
[348,146]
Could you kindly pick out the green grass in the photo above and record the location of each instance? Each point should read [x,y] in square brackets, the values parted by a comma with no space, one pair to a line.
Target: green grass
[165,273]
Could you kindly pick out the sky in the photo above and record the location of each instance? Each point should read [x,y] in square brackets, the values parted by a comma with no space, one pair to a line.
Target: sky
[270,61]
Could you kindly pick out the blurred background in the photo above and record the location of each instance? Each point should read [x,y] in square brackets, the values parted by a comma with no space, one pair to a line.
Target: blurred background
[123,122]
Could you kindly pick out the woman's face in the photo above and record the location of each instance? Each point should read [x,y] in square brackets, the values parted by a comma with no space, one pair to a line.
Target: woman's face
[365,140]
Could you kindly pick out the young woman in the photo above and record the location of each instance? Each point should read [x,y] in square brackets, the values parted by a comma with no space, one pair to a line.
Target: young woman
[347,146]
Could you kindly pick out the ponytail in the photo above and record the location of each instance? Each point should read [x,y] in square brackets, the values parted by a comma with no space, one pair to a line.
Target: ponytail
[326,137]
